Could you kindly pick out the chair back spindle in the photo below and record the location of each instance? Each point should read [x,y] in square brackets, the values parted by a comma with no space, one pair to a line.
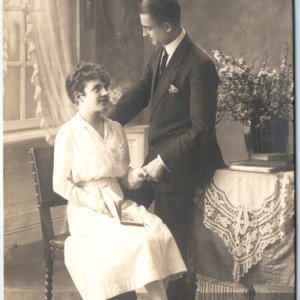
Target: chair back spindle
[53,245]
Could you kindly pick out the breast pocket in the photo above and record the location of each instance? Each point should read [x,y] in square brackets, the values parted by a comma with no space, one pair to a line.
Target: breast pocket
[178,89]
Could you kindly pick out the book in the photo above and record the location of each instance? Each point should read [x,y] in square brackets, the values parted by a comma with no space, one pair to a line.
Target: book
[272,156]
[262,166]
[114,203]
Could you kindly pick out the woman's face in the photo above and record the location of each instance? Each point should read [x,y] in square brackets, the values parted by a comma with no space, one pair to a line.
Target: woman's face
[95,97]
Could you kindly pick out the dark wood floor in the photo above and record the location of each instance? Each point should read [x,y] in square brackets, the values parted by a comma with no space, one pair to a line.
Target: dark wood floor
[24,276]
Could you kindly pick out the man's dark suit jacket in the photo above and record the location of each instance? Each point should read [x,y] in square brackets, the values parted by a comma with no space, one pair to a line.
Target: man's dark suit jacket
[182,120]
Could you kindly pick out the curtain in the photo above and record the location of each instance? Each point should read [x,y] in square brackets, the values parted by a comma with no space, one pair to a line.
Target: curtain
[51,36]
[119,37]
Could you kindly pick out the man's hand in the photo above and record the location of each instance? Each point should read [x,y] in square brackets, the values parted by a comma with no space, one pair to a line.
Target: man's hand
[139,174]
[154,169]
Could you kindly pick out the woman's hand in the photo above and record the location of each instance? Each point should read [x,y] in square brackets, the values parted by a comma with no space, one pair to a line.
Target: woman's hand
[102,208]
[139,174]
[154,169]
[134,178]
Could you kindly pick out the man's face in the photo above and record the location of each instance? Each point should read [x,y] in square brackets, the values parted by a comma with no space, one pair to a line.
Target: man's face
[156,33]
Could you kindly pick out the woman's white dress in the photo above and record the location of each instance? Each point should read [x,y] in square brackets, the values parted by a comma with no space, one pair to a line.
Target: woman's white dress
[105,258]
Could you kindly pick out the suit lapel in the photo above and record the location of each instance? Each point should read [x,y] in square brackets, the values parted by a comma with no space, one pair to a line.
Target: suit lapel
[170,72]
[156,64]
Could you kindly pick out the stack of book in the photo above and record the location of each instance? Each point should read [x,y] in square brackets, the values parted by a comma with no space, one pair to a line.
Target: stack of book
[265,163]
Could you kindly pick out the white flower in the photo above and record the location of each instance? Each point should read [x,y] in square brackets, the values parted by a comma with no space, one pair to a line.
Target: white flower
[244,93]
[173,89]
[241,60]
[217,55]
[115,94]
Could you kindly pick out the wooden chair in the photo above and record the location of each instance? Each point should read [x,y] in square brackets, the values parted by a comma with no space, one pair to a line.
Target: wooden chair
[53,245]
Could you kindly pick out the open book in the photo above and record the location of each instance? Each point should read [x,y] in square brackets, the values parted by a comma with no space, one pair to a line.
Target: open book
[114,203]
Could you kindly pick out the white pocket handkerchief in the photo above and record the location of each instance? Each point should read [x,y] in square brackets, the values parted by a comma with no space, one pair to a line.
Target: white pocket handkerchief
[173,89]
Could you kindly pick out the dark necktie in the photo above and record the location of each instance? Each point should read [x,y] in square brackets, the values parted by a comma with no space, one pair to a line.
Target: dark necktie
[162,67]
[163,62]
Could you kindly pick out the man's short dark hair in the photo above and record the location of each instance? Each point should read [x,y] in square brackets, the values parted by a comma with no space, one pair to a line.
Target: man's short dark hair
[81,74]
[162,10]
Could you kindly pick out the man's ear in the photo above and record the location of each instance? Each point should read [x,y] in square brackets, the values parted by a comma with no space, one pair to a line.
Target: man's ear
[168,26]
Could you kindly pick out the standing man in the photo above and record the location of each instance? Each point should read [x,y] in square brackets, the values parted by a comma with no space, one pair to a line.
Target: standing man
[180,84]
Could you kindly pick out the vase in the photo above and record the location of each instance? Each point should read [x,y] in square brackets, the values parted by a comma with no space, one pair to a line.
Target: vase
[268,137]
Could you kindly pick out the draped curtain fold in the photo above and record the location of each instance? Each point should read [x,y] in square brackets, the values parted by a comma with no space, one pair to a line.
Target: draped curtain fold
[51,37]
[119,39]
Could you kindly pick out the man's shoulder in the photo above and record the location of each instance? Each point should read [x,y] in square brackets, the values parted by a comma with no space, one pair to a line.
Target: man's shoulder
[195,50]
[199,59]
[199,53]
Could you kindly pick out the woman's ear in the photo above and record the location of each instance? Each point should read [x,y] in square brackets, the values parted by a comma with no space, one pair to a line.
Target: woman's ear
[77,98]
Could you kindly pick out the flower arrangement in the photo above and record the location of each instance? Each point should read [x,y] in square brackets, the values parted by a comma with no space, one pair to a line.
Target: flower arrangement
[115,94]
[117,89]
[246,95]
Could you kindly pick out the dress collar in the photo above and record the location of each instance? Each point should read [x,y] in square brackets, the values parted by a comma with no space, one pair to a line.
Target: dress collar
[80,120]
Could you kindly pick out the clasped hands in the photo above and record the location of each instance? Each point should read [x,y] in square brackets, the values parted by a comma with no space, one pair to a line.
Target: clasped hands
[150,172]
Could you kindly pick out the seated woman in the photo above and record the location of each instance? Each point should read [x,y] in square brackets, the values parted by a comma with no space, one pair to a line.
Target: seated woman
[104,257]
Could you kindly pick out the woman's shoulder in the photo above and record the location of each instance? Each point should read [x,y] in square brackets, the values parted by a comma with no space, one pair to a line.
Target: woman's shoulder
[67,128]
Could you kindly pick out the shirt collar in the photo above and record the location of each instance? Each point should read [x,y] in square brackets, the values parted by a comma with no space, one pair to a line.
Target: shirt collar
[171,47]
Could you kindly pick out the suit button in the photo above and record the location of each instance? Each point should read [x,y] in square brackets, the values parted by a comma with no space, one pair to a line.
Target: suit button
[150,149]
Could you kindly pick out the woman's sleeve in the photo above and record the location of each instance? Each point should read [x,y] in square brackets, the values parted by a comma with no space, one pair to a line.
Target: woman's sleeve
[128,181]
[62,174]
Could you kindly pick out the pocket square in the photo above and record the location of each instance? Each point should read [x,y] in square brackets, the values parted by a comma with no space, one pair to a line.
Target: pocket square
[173,89]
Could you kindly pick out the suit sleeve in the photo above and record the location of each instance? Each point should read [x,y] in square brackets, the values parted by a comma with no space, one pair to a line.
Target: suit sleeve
[203,82]
[135,100]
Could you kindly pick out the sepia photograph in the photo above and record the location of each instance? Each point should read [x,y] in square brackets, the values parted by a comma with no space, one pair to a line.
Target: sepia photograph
[149,149]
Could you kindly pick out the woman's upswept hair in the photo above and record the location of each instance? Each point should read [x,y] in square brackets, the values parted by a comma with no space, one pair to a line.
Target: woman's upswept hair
[82,73]
[162,10]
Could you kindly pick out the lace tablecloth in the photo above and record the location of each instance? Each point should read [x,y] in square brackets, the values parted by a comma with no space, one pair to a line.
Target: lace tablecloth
[248,211]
